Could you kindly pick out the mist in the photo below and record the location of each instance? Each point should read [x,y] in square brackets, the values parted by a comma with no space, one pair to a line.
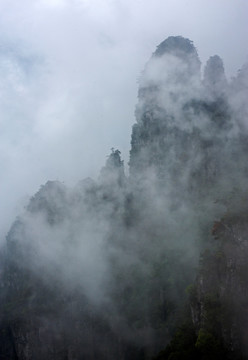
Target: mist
[69,72]
[88,239]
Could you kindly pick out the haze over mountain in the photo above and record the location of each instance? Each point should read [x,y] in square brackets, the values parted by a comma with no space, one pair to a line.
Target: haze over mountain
[100,270]
[69,71]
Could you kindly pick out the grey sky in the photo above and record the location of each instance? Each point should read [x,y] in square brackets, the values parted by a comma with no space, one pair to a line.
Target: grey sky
[68,79]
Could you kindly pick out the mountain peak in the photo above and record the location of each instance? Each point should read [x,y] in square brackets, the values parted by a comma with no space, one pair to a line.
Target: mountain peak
[178,46]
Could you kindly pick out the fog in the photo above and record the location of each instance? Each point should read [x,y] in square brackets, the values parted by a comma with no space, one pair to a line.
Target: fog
[186,153]
[118,250]
[69,73]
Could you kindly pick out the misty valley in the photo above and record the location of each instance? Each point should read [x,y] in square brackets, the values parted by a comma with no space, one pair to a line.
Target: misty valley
[148,263]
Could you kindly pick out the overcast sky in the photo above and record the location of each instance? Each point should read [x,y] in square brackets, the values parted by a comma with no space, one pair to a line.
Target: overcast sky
[68,79]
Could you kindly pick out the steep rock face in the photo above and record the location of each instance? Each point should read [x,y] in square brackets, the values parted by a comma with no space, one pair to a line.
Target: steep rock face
[164,85]
[219,301]
[215,322]
[186,137]
[187,149]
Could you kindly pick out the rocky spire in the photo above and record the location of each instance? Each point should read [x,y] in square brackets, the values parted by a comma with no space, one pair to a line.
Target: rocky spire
[214,76]
[181,48]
